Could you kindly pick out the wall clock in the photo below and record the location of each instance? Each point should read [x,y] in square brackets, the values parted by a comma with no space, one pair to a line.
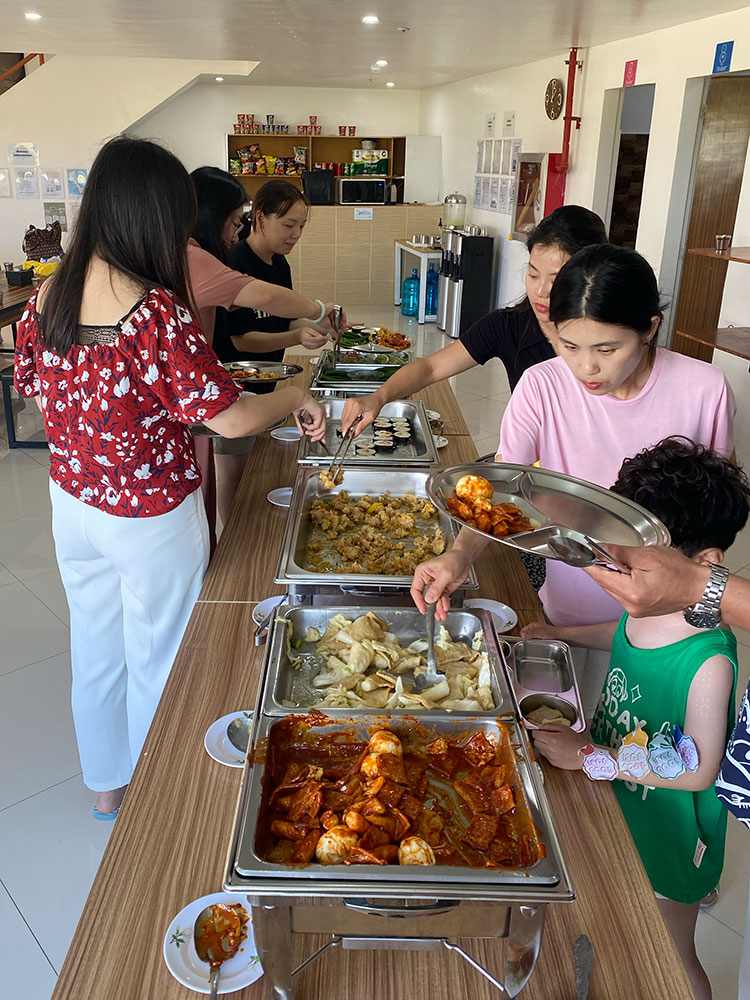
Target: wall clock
[553,99]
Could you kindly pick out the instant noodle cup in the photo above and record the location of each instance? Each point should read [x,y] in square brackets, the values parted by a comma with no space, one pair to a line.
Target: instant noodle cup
[317,129]
[313,119]
[352,130]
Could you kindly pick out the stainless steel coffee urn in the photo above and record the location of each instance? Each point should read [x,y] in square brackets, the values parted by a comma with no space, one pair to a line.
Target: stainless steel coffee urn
[465,282]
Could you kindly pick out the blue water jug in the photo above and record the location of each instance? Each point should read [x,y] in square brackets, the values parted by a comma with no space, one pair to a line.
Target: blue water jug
[410,294]
[431,292]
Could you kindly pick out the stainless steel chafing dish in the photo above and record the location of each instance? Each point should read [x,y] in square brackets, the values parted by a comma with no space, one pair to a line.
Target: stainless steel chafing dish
[409,908]
[419,451]
[290,569]
[289,688]
[350,376]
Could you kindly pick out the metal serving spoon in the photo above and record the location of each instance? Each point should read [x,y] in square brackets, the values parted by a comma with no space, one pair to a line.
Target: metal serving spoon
[238,732]
[205,926]
[431,677]
[578,554]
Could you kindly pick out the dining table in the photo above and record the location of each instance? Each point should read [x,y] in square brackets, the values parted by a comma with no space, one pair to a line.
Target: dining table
[170,841]
[14,299]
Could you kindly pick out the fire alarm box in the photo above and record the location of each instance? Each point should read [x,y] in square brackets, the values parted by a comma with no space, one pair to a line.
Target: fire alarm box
[539,190]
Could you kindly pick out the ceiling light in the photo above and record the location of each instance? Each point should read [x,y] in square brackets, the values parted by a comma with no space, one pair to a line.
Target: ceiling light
[390,84]
[31,15]
[219,79]
[371,19]
[381,62]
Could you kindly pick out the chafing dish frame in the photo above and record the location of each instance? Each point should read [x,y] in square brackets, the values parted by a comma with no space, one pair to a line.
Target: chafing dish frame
[307,487]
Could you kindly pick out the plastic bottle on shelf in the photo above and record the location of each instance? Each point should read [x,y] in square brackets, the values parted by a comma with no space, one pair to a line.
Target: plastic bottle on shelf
[410,294]
[431,292]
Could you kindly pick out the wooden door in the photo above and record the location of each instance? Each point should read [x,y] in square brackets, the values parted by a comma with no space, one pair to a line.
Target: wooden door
[718,180]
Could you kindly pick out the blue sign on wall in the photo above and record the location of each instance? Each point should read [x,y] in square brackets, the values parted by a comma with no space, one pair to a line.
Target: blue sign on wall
[723,57]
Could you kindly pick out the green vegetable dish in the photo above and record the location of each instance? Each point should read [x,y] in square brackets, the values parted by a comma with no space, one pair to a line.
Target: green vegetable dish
[340,375]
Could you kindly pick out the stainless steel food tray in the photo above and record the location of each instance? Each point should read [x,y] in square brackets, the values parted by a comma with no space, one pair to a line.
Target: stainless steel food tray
[286,371]
[353,377]
[357,482]
[287,688]
[542,672]
[419,451]
[358,356]
[562,506]
[548,879]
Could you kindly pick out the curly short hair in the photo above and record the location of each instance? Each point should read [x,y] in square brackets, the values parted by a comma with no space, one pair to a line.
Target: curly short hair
[702,498]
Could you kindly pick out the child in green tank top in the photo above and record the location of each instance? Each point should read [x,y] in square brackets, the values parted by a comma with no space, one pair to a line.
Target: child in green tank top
[664,673]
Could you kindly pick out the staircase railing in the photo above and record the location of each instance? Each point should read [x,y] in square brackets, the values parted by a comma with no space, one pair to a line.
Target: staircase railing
[20,63]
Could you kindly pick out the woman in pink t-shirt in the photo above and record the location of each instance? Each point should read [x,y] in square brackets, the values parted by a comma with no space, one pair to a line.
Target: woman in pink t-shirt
[609,394]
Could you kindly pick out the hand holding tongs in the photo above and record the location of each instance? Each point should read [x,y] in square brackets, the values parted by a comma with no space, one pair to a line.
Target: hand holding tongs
[337,314]
[329,477]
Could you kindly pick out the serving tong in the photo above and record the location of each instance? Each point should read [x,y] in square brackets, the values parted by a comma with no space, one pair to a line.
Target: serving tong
[339,458]
[337,314]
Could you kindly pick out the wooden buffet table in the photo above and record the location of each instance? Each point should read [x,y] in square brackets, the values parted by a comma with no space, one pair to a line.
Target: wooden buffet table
[14,302]
[170,841]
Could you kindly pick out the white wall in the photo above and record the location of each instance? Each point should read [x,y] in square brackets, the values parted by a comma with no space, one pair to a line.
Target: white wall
[71,105]
[666,58]
[196,124]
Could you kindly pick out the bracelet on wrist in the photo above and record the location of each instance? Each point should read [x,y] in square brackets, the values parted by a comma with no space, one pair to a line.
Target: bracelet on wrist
[319,319]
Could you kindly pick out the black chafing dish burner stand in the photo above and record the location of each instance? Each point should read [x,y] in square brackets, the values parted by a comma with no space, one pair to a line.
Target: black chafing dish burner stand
[272,926]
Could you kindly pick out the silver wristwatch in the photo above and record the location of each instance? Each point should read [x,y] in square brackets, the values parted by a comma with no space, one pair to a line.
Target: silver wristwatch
[706,614]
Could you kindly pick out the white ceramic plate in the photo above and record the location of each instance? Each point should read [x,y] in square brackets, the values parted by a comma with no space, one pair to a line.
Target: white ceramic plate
[287,434]
[182,959]
[282,497]
[262,608]
[432,414]
[503,617]
[440,442]
[217,742]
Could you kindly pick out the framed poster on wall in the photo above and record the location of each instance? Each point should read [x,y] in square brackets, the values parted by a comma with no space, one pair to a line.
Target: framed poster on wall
[26,182]
[5,191]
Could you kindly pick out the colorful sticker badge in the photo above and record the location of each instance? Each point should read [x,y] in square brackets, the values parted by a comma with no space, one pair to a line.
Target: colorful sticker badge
[632,756]
[663,757]
[686,748]
[598,764]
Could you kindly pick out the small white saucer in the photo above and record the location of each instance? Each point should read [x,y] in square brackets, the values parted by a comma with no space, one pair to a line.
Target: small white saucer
[432,414]
[182,959]
[440,442]
[263,608]
[282,497]
[503,617]
[286,434]
[217,742]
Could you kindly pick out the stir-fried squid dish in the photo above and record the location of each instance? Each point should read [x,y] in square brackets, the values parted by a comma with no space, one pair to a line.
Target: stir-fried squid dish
[383,535]
[337,799]
[473,504]
[364,665]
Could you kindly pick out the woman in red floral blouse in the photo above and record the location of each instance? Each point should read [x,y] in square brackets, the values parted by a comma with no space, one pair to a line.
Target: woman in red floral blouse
[120,371]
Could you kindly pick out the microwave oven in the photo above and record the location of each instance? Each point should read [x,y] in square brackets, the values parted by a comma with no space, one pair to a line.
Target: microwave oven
[361,191]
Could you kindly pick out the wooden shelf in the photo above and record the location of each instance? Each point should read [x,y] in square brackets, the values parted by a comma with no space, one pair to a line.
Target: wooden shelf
[739,254]
[734,340]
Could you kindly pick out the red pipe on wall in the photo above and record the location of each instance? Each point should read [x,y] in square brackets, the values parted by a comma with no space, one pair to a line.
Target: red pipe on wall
[573,64]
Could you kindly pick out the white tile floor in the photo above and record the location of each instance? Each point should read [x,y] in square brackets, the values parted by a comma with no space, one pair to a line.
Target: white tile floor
[45,810]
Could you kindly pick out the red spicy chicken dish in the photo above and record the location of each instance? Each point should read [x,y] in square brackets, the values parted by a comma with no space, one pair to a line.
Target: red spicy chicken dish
[337,798]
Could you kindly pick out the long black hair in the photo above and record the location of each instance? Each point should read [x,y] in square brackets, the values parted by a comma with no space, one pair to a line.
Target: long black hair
[607,283]
[570,228]
[137,213]
[219,194]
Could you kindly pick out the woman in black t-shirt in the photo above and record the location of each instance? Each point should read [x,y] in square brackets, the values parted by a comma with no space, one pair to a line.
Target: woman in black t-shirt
[278,218]
[521,336]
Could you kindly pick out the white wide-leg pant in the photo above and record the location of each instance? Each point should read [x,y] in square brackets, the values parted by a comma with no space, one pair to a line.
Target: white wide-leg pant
[131,584]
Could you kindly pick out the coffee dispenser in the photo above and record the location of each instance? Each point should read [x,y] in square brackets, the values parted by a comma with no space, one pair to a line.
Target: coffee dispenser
[465,282]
